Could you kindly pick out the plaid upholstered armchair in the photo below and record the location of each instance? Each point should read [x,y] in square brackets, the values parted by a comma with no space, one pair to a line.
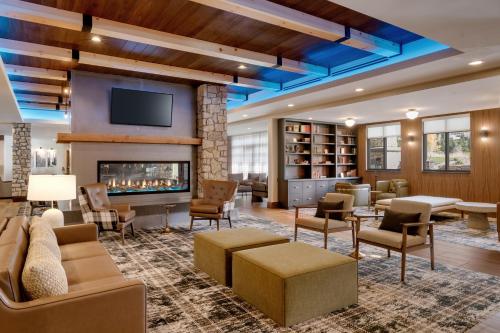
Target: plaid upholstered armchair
[217,203]
[96,208]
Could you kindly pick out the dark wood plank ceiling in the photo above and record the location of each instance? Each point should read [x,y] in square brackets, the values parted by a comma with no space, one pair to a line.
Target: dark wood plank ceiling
[187,18]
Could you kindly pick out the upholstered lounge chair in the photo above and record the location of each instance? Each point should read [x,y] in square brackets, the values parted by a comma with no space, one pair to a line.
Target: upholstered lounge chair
[394,188]
[327,225]
[96,208]
[217,202]
[361,192]
[402,242]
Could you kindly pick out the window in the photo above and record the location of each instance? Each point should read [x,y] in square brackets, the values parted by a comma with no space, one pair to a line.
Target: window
[384,147]
[249,153]
[447,144]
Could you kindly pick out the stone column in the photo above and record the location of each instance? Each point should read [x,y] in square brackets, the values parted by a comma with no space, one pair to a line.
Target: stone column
[21,159]
[212,129]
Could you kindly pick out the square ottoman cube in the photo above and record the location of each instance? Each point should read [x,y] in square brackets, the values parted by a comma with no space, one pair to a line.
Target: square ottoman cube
[295,282]
[213,250]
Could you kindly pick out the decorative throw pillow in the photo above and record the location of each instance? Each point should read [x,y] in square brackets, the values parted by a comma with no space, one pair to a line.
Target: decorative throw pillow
[329,205]
[392,187]
[43,274]
[41,232]
[392,221]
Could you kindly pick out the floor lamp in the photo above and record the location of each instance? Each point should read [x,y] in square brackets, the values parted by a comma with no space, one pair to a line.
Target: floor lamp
[52,188]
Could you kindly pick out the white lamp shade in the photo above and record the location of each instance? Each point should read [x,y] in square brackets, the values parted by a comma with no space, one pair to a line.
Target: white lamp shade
[51,187]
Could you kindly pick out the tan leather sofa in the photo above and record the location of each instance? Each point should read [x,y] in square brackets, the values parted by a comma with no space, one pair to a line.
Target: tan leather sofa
[100,299]
[399,188]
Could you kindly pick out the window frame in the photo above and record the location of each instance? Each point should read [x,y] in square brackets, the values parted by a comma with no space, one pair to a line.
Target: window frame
[384,149]
[446,147]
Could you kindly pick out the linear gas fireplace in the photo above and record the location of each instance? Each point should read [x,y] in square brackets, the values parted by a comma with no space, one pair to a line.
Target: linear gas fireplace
[143,177]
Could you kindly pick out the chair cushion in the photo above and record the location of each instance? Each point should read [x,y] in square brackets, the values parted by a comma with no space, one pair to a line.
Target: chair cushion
[389,238]
[82,250]
[125,216]
[98,196]
[329,205]
[95,283]
[90,269]
[43,274]
[318,223]
[205,208]
[393,221]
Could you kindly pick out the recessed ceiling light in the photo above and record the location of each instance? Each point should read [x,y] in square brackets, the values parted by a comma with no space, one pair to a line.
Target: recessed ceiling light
[249,128]
[310,118]
[245,115]
[66,90]
[350,122]
[475,63]
[96,39]
[291,105]
[359,90]
[412,114]
[242,66]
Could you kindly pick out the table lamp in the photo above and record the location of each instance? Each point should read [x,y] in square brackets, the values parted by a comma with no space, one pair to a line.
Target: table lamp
[52,188]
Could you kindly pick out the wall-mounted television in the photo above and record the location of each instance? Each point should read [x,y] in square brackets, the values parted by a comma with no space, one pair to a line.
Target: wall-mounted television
[135,107]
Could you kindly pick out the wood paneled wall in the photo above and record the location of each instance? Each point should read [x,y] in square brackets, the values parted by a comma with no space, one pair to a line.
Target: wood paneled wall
[481,184]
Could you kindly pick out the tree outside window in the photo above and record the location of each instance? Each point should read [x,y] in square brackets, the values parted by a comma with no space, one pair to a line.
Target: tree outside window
[384,147]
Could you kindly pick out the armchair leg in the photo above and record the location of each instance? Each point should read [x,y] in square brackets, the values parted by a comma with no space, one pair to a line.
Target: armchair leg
[229,219]
[122,232]
[431,236]
[217,220]
[403,265]
[132,228]
[388,253]
[191,225]
[356,251]
[326,241]
[210,222]
[353,234]
[295,233]
[376,213]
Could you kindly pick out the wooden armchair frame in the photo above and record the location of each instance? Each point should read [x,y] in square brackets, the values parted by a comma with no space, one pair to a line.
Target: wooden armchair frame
[404,248]
[327,231]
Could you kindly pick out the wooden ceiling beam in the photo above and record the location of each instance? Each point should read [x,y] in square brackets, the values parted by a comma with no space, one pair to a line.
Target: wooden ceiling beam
[41,73]
[38,106]
[35,50]
[37,98]
[289,18]
[36,87]
[101,60]
[70,20]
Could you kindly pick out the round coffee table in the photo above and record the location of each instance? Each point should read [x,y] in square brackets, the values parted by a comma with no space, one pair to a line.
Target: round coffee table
[478,213]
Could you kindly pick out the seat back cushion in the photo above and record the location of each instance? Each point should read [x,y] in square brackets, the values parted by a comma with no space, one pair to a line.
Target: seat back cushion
[348,200]
[219,190]
[410,206]
[43,274]
[98,196]
[13,250]
[382,185]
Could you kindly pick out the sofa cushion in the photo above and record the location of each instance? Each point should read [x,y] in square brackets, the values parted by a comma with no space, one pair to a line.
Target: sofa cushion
[389,238]
[89,269]
[205,208]
[43,274]
[318,223]
[12,254]
[125,216]
[82,250]
[95,283]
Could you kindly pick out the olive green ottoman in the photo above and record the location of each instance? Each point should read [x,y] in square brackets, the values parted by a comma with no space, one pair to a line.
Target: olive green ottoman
[213,250]
[295,282]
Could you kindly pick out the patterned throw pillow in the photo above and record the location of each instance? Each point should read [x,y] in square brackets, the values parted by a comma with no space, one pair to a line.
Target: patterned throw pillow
[41,231]
[43,274]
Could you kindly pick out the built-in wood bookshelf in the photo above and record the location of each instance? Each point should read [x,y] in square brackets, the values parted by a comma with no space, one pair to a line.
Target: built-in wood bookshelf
[314,151]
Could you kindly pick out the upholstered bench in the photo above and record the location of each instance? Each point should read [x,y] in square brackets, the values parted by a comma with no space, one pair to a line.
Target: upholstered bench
[295,282]
[213,250]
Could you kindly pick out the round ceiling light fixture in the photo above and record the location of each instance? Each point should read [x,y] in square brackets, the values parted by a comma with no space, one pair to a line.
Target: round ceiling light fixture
[245,115]
[291,105]
[412,114]
[349,122]
[96,39]
[476,63]
[242,66]
[359,90]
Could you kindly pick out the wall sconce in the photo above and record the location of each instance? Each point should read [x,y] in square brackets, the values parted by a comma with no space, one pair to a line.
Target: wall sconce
[484,134]
[411,138]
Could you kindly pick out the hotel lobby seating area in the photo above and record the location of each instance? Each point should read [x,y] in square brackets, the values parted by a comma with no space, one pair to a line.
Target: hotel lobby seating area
[249,166]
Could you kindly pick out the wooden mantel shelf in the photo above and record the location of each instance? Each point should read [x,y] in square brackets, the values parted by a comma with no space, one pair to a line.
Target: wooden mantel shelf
[117,138]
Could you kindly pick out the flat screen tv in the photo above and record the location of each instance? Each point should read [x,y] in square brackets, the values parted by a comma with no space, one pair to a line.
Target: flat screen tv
[134,107]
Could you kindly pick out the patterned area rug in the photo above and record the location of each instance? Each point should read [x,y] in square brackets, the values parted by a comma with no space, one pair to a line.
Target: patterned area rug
[183,299]
[448,228]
